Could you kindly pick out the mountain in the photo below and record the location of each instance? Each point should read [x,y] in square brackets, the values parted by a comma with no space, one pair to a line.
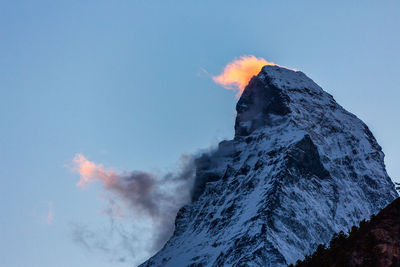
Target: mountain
[375,243]
[299,169]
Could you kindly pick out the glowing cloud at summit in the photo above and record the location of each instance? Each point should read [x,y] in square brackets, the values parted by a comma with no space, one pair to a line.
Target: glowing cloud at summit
[237,74]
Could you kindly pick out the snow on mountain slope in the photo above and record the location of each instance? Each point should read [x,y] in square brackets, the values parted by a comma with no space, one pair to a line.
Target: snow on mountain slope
[299,169]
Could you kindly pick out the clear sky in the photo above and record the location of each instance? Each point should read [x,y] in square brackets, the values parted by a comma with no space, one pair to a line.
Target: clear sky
[125,83]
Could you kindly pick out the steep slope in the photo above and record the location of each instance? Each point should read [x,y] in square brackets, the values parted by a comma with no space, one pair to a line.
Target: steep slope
[375,243]
[299,169]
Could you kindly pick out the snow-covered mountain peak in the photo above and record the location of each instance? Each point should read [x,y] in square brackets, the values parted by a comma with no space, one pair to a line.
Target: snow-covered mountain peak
[276,91]
[287,78]
[299,169]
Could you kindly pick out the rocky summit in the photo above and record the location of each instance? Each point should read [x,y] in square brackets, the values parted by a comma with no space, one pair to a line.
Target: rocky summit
[299,169]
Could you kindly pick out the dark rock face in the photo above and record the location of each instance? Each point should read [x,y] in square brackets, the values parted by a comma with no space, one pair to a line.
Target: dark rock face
[258,101]
[375,243]
[207,167]
[305,157]
[299,169]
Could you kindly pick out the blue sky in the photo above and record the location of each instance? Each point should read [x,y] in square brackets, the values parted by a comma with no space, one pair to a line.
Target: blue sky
[122,83]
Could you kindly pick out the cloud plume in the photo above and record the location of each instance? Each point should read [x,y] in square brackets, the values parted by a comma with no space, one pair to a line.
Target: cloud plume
[145,196]
[237,74]
[137,188]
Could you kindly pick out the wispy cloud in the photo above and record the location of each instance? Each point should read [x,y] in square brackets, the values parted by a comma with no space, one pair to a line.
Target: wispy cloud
[203,72]
[149,201]
[50,214]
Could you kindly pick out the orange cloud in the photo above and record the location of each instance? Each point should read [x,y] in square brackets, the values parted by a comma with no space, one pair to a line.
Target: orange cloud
[237,74]
[91,172]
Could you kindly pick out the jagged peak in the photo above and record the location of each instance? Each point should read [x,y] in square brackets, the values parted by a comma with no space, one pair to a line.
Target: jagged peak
[275,91]
[285,78]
